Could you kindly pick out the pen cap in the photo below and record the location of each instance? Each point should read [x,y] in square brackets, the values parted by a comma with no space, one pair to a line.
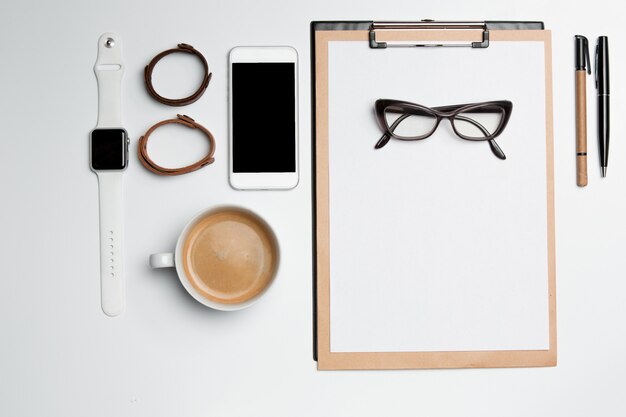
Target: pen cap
[582,54]
[602,65]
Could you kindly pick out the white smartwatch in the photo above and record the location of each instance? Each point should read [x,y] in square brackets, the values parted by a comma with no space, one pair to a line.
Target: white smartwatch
[108,159]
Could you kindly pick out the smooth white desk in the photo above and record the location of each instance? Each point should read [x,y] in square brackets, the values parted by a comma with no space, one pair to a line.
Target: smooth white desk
[168,355]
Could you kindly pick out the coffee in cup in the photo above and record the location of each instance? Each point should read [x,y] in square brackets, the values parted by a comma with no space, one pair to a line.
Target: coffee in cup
[226,258]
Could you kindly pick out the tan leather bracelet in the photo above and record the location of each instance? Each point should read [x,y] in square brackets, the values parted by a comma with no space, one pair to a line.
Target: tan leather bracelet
[157,169]
[184,48]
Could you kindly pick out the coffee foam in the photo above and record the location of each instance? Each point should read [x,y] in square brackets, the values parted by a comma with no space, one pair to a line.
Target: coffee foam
[230,256]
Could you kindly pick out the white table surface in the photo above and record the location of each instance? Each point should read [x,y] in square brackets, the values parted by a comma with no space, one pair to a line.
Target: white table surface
[168,355]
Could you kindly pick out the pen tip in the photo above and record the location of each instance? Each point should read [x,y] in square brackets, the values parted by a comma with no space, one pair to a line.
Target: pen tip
[603,172]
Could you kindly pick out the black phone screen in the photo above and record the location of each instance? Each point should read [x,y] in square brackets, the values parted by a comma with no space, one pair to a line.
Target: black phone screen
[264,117]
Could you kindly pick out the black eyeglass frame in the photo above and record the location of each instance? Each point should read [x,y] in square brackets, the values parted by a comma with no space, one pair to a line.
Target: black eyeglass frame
[452,113]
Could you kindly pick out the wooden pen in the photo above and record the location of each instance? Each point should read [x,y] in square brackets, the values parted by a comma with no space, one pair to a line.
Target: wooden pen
[582,66]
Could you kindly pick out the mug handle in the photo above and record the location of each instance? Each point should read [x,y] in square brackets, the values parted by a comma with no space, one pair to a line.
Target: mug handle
[162,260]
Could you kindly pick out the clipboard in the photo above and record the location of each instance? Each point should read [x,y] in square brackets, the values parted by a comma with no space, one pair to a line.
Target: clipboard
[343,51]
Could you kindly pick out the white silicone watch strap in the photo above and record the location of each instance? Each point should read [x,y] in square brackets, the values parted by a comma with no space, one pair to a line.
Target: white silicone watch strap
[110,186]
[109,69]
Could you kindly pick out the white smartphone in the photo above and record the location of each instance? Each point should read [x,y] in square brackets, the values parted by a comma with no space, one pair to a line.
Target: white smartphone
[263,117]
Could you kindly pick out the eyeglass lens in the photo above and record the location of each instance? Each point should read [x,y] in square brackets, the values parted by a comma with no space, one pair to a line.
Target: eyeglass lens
[409,126]
[474,124]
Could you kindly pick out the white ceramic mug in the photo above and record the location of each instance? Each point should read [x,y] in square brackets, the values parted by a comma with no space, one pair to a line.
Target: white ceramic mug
[169,260]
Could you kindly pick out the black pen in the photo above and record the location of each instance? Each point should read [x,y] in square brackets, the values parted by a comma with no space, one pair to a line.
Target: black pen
[602,84]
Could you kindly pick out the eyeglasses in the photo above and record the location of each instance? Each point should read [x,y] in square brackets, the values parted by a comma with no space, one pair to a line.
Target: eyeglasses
[476,122]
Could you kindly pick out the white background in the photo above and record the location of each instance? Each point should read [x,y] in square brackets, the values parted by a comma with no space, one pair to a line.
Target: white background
[168,355]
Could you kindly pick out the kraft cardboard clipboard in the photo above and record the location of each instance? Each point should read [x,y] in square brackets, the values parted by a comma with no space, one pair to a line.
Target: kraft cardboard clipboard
[375,309]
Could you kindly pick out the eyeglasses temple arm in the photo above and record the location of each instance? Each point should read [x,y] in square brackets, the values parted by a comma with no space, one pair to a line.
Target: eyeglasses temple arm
[497,151]
[382,141]
[385,138]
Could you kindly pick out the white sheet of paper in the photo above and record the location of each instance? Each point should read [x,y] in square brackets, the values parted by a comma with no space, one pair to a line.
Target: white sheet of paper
[437,245]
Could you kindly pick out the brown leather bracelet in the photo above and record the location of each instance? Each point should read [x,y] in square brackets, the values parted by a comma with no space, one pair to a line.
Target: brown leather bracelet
[157,169]
[182,47]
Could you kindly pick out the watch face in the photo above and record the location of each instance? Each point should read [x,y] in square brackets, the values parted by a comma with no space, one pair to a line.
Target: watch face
[109,149]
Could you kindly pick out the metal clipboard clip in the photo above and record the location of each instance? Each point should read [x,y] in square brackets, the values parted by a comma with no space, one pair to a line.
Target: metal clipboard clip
[428,24]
